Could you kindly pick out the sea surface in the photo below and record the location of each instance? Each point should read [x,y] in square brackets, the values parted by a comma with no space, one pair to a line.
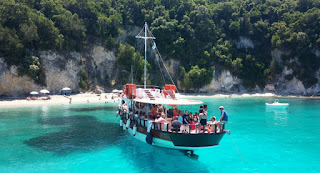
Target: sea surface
[88,138]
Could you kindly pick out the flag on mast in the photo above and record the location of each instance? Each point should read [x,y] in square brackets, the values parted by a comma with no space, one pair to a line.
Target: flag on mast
[154,46]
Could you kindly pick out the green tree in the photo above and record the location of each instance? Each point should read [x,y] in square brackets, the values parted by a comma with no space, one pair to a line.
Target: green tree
[197,78]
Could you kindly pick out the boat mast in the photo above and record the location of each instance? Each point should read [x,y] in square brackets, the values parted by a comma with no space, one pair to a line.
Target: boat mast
[145,55]
[145,51]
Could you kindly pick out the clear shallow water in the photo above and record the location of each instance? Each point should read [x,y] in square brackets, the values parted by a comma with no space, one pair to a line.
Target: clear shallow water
[87,138]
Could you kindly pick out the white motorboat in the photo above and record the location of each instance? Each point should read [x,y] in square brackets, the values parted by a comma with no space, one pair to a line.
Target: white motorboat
[277,104]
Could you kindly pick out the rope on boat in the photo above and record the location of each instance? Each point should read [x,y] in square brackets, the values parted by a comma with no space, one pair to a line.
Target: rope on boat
[240,154]
[165,66]
[236,147]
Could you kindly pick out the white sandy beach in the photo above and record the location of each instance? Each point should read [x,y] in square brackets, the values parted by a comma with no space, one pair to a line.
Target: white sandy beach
[101,98]
[61,100]
[183,95]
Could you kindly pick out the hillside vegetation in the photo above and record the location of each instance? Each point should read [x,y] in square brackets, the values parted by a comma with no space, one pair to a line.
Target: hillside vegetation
[202,34]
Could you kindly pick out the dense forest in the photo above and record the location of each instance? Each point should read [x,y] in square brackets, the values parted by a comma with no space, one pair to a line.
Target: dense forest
[202,34]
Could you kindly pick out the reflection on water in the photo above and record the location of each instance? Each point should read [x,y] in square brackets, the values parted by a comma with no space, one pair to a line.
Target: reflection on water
[92,141]
[85,134]
[149,158]
[277,116]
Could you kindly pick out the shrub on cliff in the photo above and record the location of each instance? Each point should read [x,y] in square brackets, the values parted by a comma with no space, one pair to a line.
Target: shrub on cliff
[82,84]
[197,78]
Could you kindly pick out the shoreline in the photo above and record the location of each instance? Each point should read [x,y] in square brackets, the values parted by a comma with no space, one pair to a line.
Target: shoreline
[101,98]
[59,100]
[242,95]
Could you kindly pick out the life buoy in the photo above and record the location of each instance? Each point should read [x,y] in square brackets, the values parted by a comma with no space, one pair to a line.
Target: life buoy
[128,123]
[149,127]
[149,138]
[134,130]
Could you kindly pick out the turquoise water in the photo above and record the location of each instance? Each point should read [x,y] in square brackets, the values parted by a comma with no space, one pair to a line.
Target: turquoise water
[87,138]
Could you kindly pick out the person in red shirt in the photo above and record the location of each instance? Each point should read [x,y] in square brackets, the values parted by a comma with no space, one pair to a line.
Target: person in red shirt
[192,124]
[175,114]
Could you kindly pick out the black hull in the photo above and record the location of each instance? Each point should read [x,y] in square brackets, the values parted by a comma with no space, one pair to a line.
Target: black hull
[187,140]
[196,140]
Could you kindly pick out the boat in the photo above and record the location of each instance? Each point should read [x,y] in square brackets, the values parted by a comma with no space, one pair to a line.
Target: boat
[277,104]
[136,108]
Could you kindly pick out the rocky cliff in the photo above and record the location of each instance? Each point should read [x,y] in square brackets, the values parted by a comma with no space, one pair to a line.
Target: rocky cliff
[224,81]
[62,70]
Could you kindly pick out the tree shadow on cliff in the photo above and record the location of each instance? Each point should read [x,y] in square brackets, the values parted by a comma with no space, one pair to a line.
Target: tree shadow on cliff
[85,134]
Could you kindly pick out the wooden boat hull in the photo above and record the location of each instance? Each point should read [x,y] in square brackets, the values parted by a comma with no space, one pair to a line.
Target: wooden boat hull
[180,141]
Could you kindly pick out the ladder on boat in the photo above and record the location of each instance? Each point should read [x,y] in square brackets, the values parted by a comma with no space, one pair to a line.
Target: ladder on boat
[171,94]
[149,95]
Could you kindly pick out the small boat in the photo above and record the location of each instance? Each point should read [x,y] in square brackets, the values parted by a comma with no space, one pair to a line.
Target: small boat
[277,104]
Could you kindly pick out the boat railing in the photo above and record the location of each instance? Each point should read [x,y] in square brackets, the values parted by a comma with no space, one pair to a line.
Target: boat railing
[142,122]
[184,128]
[189,128]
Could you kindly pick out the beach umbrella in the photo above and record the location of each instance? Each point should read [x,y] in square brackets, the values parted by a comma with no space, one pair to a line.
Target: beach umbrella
[115,91]
[66,89]
[44,91]
[34,92]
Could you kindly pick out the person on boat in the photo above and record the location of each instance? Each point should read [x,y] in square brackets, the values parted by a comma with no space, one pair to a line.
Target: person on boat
[161,120]
[176,124]
[201,109]
[160,107]
[192,124]
[175,114]
[213,122]
[195,117]
[203,118]
[145,116]
[135,117]
[224,115]
[185,120]
[131,115]
[190,116]
[154,111]
[205,109]
[170,113]
[180,118]
[141,116]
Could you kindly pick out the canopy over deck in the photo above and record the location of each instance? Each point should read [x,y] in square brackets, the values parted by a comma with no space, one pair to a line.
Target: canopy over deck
[169,101]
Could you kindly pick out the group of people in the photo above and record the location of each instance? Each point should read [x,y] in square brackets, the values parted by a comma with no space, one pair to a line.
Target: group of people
[198,119]
[179,119]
